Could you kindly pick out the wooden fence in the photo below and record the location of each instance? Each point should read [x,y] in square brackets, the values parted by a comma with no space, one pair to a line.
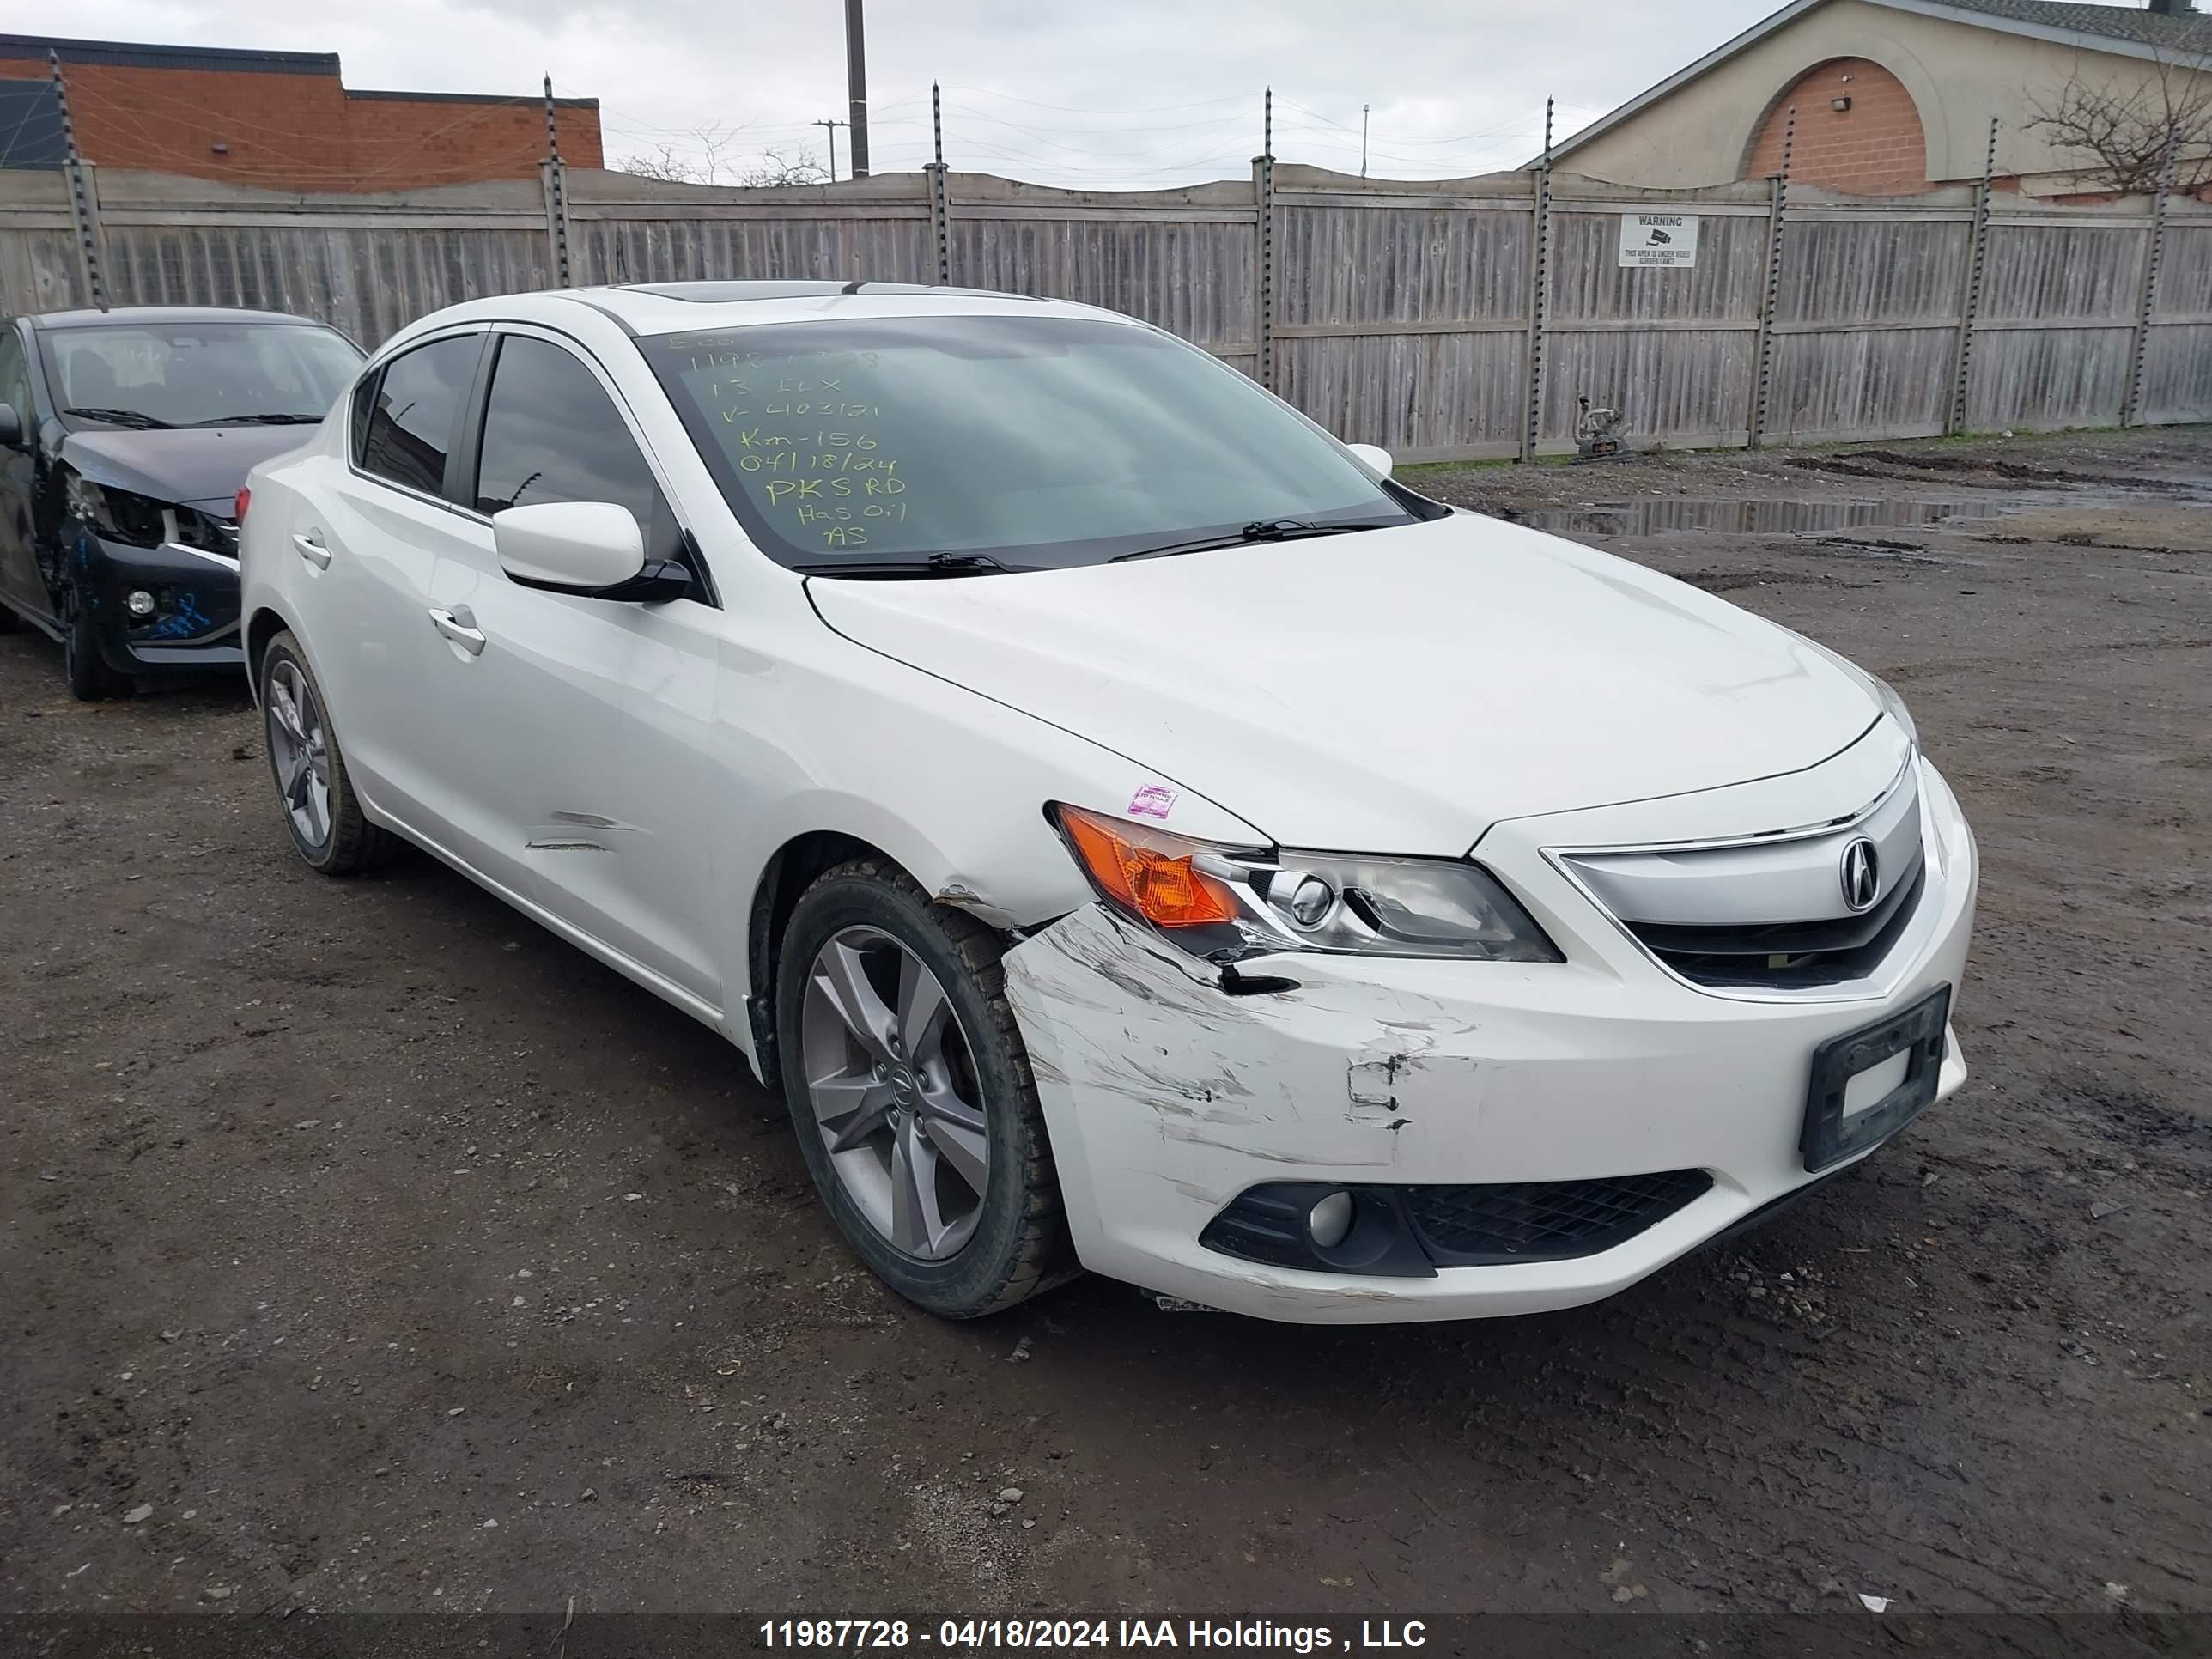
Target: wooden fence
[1459,318]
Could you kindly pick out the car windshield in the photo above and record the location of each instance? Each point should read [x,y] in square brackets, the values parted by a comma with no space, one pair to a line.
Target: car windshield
[1027,440]
[198,373]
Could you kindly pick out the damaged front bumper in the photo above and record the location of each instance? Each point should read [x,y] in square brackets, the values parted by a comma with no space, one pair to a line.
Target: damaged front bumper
[1172,1102]
[194,593]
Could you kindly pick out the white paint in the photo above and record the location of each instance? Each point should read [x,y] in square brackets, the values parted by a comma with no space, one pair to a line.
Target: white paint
[1462,680]
[584,544]
[1664,240]
[1484,672]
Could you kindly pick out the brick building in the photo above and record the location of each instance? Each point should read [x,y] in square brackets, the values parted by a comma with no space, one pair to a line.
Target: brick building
[277,120]
[1894,96]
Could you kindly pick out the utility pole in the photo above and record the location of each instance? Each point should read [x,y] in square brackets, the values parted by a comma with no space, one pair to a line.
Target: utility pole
[856,86]
[1363,141]
[833,126]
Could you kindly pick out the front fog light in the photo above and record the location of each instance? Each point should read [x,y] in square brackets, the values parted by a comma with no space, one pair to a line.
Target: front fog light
[1329,1222]
[140,601]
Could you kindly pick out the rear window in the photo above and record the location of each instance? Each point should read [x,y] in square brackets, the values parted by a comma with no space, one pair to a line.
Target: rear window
[418,406]
[364,405]
[1036,441]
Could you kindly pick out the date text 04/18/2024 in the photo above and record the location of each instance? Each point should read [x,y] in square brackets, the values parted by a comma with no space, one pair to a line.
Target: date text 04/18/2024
[1070,1635]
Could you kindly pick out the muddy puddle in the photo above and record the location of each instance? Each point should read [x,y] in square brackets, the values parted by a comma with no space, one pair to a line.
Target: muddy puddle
[1662,515]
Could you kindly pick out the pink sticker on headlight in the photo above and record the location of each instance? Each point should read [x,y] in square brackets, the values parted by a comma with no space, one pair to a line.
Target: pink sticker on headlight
[1154,800]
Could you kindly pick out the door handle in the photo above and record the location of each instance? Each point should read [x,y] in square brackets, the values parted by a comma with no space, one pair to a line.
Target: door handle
[457,626]
[312,550]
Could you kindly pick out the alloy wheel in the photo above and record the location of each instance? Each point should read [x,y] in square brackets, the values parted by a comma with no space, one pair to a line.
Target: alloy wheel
[895,1092]
[298,745]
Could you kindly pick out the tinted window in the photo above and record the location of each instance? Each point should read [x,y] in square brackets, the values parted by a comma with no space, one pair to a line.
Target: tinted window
[551,434]
[364,403]
[198,374]
[418,404]
[1040,439]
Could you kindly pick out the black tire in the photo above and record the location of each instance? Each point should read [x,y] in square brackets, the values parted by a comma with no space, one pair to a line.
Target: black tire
[1019,1245]
[10,621]
[351,843]
[90,678]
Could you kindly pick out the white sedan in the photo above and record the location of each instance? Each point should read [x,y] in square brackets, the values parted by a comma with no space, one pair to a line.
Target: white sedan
[1133,831]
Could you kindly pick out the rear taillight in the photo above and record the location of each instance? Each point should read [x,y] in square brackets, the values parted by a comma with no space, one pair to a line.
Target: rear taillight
[245,500]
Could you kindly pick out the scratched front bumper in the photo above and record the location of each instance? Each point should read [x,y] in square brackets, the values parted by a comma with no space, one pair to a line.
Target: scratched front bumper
[1166,1098]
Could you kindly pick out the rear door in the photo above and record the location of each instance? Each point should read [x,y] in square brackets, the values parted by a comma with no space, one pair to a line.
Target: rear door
[370,532]
[583,719]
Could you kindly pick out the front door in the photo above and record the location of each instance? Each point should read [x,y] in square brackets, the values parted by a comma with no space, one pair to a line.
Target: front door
[19,581]
[576,720]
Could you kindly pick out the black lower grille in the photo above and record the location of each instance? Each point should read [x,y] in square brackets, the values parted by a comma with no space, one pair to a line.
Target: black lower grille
[1544,1220]
[1408,1232]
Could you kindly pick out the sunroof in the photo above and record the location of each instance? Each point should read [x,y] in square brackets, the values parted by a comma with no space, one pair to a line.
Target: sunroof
[723,292]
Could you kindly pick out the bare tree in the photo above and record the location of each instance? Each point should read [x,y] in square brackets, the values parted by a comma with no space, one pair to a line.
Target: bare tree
[2129,139]
[706,160]
[698,159]
[667,166]
[782,168]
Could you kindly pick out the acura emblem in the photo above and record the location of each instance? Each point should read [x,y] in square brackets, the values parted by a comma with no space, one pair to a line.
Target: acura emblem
[1862,875]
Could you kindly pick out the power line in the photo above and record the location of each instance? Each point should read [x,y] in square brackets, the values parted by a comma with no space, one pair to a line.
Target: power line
[1065,109]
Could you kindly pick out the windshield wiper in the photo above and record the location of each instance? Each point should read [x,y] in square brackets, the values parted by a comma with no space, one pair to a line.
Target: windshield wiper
[131,417]
[933,564]
[1260,530]
[261,420]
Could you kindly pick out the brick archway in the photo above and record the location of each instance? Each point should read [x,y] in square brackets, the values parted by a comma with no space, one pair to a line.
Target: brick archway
[1875,147]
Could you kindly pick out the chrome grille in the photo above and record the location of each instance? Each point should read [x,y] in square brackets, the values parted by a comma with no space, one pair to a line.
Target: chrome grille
[1772,912]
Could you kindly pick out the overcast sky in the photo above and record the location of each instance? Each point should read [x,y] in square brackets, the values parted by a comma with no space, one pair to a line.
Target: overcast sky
[1111,95]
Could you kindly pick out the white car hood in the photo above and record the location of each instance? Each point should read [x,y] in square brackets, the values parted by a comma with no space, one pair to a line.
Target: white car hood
[1388,691]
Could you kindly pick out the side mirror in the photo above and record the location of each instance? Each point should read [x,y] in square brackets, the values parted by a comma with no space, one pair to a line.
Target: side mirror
[590,548]
[12,428]
[1375,457]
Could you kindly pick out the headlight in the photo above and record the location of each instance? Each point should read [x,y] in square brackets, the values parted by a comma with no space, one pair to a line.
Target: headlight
[1884,693]
[1224,902]
[120,515]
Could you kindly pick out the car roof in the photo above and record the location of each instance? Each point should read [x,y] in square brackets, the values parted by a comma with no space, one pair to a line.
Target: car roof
[124,316]
[652,308]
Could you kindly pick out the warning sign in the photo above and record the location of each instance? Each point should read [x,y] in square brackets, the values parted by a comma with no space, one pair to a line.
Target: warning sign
[1658,238]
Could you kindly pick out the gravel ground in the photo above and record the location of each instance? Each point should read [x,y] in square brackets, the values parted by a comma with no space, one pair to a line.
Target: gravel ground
[362,1247]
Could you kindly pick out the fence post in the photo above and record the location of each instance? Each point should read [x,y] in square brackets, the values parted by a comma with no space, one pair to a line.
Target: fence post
[1977,258]
[940,199]
[2147,304]
[1770,299]
[557,195]
[84,196]
[1539,250]
[1263,204]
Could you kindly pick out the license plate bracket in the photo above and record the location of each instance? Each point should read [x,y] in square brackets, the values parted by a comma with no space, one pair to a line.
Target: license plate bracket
[1830,1136]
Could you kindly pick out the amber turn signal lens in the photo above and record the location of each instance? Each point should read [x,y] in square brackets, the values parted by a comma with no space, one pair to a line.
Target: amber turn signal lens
[1138,869]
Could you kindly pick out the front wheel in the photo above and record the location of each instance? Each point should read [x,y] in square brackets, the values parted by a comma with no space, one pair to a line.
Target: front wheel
[90,678]
[321,810]
[910,1091]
